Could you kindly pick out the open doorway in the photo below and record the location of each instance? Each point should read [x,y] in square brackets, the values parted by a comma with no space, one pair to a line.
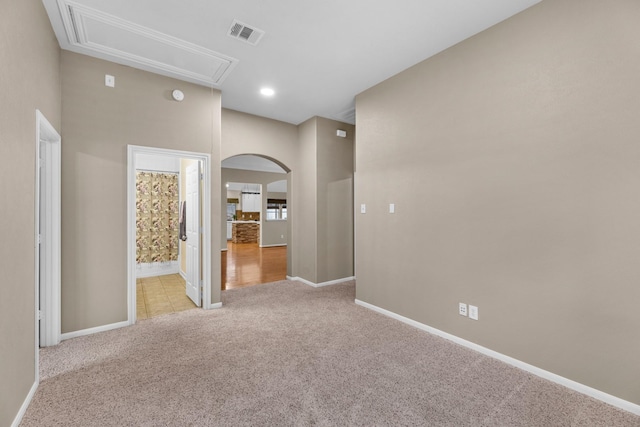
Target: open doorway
[164,284]
[169,235]
[254,198]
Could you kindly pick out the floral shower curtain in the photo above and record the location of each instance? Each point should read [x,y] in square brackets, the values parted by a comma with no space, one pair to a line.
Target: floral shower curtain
[156,217]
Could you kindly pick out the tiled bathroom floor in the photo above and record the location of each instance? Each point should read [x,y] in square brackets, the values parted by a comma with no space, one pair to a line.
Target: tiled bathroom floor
[161,295]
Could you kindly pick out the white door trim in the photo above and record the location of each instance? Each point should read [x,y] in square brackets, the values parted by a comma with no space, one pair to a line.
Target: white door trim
[47,282]
[132,151]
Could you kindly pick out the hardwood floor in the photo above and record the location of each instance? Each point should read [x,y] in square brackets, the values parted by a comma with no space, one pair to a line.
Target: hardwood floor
[247,264]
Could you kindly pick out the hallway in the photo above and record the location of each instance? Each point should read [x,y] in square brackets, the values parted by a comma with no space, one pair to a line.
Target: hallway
[247,264]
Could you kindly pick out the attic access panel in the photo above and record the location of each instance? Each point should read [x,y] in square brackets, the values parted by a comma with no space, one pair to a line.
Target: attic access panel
[116,38]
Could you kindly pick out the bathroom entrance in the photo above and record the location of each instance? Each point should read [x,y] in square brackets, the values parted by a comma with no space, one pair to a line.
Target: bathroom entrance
[169,225]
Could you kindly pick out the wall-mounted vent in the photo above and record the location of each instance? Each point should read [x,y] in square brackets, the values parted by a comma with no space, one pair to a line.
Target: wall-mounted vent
[245,33]
[348,116]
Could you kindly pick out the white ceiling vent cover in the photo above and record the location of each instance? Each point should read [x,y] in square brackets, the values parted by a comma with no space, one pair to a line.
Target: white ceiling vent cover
[241,31]
[348,116]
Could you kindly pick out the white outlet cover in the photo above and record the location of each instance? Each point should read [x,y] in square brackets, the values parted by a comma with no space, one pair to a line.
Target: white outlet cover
[473,312]
[392,208]
[363,208]
[462,309]
[109,80]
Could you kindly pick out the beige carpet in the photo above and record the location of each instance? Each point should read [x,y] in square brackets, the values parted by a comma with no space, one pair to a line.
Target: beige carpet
[287,354]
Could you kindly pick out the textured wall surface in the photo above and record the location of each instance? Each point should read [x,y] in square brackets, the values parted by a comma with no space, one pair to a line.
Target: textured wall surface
[519,150]
[98,125]
[29,80]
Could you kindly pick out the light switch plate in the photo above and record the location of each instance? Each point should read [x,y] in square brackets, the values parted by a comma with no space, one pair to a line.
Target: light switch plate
[363,208]
[473,312]
[109,81]
[392,208]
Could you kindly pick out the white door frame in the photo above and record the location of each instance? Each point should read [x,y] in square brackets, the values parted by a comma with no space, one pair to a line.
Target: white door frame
[47,282]
[205,250]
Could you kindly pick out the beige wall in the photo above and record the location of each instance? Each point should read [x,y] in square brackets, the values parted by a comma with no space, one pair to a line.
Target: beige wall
[276,232]
[323,198]
[98,124]
[334,200]
[233,194]
[303,205]
[247,134]
[512,159]
[30,80]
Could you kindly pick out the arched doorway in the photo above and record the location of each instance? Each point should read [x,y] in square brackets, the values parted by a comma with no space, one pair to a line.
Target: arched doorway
[255,221]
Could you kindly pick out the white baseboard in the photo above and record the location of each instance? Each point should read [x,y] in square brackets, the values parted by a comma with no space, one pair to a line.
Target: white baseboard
[321,284]
[95,330]
[23,409]
[216,305]
[156,269]
[573,385]
[273,246]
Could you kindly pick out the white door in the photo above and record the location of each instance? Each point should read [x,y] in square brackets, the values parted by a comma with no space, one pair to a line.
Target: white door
[193,233]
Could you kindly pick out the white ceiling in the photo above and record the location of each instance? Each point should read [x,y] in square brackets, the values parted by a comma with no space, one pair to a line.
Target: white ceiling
[316,55]
[277,187]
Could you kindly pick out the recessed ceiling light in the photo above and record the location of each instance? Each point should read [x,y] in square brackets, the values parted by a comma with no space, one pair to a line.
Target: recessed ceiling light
[267,91]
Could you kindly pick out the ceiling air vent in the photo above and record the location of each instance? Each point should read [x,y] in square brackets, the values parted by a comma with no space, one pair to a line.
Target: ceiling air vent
[245,33]
[348,116]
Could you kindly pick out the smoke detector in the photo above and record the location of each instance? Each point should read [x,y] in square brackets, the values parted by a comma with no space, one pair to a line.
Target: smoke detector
[246,33]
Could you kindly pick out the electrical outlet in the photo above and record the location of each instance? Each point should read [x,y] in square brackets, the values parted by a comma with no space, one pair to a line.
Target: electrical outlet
[462,309]
[473,312]
[109,81]
[392,208]
[363,208]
